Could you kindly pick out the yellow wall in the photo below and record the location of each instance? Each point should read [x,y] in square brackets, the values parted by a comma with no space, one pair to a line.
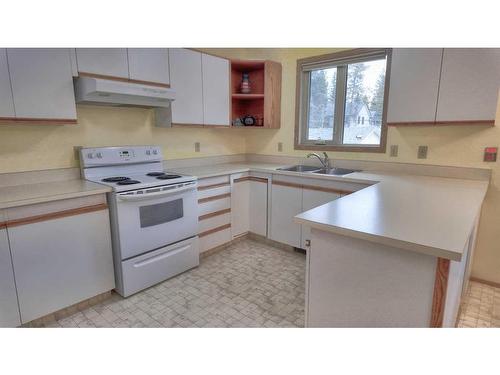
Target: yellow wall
[29,147]
[453,145]
[32,147]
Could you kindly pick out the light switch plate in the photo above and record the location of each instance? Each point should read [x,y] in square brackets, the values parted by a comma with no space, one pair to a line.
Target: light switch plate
[422,152]
[394,151]
[197,147]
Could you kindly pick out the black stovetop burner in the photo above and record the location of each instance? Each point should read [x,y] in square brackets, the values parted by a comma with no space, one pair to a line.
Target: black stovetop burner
[168,176]
[128,182]
[155,174]
[115,179]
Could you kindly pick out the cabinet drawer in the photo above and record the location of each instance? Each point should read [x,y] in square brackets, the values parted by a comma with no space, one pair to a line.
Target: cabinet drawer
[206,182]
[214,221]
[214,205]
[159,265]
[215,239]
[217,190]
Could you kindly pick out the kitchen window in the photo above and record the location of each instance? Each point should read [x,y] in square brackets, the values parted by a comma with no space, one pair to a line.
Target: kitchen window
[341,101]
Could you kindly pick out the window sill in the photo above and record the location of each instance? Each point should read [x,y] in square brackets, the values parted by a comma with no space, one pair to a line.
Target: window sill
[342,148]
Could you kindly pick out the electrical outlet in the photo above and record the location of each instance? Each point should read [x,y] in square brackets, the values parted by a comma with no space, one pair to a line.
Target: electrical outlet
[197,147]
[422,152]
[394,151]
[280,146]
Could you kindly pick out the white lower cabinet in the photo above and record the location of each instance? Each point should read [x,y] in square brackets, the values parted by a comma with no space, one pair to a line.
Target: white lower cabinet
[286,202]
[249,206]
[310,200]
[60,262]
[9,310]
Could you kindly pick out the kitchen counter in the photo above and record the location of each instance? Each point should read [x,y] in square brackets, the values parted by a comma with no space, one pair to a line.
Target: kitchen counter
[430,215]
[26,194]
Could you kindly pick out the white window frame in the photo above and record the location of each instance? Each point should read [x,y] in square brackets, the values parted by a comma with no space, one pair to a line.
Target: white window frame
[339,60]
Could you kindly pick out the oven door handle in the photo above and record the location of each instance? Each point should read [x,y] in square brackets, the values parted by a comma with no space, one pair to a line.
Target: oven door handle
[147,196]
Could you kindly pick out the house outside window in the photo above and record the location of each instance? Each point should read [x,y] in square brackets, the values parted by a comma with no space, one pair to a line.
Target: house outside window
[341,101]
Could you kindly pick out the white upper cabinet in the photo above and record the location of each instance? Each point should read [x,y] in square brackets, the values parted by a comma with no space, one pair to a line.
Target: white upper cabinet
[6,101]
[470,80]
[104,61]
[42,83]
[149,64]
[215,90]
[414,84]
[186,80]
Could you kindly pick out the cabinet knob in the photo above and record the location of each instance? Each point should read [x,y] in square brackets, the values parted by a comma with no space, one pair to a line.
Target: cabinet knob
[308,243]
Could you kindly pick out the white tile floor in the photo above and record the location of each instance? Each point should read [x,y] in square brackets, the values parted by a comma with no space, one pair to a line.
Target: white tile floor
[248,284]
[480,307]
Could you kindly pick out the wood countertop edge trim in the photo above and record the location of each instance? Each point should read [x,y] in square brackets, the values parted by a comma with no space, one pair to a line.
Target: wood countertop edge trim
[56,215]
[214,230]
[311,187]
[439,295]
[3,224]
[37,121]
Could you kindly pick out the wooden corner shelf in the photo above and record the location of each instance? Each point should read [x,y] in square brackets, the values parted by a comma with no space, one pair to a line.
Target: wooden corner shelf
[247,96]
[264,101]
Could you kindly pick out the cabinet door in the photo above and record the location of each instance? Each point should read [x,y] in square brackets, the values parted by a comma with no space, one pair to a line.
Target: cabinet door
[258,207]
[414,84]
[215,90]
[9,310]
[6,102]
[470,79]
[186,80]
[286,202]
[149,64]
[310,200]
[42,83]
[61,262]
[240,207]
[104,61]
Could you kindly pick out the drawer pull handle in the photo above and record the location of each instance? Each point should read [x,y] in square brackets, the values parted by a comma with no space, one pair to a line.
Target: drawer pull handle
[160,257]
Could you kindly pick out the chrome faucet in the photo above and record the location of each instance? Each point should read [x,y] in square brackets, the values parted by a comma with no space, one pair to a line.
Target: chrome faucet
[325,161]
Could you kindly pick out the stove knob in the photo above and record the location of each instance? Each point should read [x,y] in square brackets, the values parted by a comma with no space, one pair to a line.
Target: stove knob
[99,155]
[90,155]
[155,152]
[148,152]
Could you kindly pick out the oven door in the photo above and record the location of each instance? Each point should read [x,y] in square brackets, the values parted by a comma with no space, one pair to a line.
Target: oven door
[152,218]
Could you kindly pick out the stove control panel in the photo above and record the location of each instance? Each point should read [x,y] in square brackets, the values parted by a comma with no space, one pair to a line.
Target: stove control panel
[101,156]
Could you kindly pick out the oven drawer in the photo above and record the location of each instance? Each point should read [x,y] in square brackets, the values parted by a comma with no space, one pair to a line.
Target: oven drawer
[149,269]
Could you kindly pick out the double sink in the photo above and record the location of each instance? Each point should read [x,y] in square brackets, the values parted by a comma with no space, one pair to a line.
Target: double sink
[319,170]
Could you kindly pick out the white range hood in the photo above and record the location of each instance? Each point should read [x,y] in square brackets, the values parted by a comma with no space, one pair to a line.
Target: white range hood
[98,91]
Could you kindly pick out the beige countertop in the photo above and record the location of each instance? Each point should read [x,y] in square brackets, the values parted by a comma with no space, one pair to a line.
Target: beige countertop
[431,215]
[22,195]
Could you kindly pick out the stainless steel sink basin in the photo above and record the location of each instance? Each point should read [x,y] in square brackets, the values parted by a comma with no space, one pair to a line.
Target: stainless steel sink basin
[300,168]
[335,171]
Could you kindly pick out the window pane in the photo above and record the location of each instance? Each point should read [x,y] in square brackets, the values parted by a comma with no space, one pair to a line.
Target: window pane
[364,102]
[321,104]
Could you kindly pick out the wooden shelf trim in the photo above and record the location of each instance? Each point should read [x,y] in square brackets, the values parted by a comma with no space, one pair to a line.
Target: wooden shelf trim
[214,214]
[214,230]
[214,198]
[312,187]
[214,186]
[251,178]
[439,296]
[56,215]
[247,96]
[445,123]
[38,121]
[3,224]
[122,79]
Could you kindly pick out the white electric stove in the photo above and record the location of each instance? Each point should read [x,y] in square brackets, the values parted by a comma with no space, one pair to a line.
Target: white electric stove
[154,214]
